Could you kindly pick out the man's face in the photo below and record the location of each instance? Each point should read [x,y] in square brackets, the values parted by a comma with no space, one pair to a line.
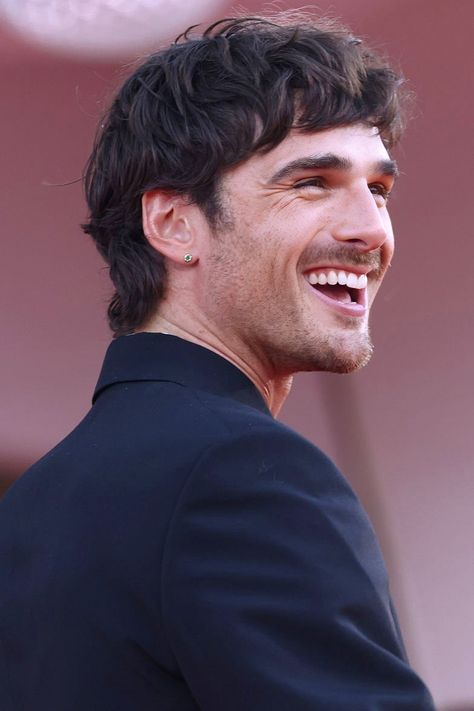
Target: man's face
[310,212]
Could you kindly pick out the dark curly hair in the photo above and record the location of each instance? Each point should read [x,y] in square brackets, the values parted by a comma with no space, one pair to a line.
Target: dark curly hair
[207,103]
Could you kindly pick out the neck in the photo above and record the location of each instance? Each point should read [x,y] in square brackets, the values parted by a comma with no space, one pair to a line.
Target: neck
[274,390]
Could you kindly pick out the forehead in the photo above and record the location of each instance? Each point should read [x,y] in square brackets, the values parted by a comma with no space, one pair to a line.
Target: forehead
[358,144]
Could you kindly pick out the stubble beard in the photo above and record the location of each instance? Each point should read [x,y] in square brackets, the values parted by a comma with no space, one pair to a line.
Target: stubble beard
[309,352]
[286,344]
[332,355]
[297,349]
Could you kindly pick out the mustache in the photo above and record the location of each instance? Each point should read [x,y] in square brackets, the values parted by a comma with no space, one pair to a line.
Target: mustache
[343,254]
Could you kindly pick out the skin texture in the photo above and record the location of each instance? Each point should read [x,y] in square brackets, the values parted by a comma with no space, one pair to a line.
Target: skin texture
[245,295]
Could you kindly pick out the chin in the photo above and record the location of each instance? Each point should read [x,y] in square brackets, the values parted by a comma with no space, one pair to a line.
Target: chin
[335,355]
[347,358]
[347,363]
[346,353]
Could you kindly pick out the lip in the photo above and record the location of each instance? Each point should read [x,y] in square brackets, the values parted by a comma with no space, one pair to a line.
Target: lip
[358,310]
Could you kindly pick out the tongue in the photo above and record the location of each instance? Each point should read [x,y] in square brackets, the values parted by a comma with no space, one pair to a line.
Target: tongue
[336,292]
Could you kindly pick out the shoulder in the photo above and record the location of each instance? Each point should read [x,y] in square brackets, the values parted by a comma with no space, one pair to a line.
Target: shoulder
[270,487]
[264,508]
[253,451]
[274,482]
[213,430]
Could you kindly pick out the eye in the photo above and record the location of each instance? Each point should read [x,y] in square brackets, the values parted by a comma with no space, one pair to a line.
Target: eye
[315,182]
[380,190]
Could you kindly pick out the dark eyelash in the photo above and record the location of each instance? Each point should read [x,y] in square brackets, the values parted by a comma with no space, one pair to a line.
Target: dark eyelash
[318,182]
[382,190]
[310,183]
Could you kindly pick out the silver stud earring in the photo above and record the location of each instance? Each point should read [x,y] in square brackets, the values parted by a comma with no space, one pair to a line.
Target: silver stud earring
[188,258]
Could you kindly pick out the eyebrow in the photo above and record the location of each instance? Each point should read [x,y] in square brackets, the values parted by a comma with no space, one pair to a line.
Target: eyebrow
[330,161]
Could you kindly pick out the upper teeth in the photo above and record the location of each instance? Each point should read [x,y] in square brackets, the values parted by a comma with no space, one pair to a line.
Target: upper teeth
[353,281]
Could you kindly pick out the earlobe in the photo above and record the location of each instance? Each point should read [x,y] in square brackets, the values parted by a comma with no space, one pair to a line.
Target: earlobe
[167,225]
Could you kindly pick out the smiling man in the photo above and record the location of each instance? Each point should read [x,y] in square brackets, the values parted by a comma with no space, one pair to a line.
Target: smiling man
[181,549]
[285,282]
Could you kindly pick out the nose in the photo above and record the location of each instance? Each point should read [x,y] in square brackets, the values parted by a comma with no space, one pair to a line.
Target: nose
[363,222]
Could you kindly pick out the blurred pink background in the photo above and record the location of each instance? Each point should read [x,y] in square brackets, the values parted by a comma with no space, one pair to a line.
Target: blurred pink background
[401,429]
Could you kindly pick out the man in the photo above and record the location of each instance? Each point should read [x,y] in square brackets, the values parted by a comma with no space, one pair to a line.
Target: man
[181,549]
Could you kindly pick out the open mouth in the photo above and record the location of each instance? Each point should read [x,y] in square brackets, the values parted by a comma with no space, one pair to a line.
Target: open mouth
[340,287]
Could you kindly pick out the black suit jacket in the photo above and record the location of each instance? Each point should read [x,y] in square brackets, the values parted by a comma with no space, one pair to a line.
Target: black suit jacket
[182,550]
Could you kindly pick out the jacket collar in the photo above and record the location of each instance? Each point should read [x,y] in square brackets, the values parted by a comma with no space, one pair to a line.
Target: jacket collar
[160,357]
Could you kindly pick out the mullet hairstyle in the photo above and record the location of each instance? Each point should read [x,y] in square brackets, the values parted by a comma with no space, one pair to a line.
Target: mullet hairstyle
[207,103]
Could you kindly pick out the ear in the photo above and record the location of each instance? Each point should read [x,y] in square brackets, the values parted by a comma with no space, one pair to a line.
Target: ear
[168,225]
